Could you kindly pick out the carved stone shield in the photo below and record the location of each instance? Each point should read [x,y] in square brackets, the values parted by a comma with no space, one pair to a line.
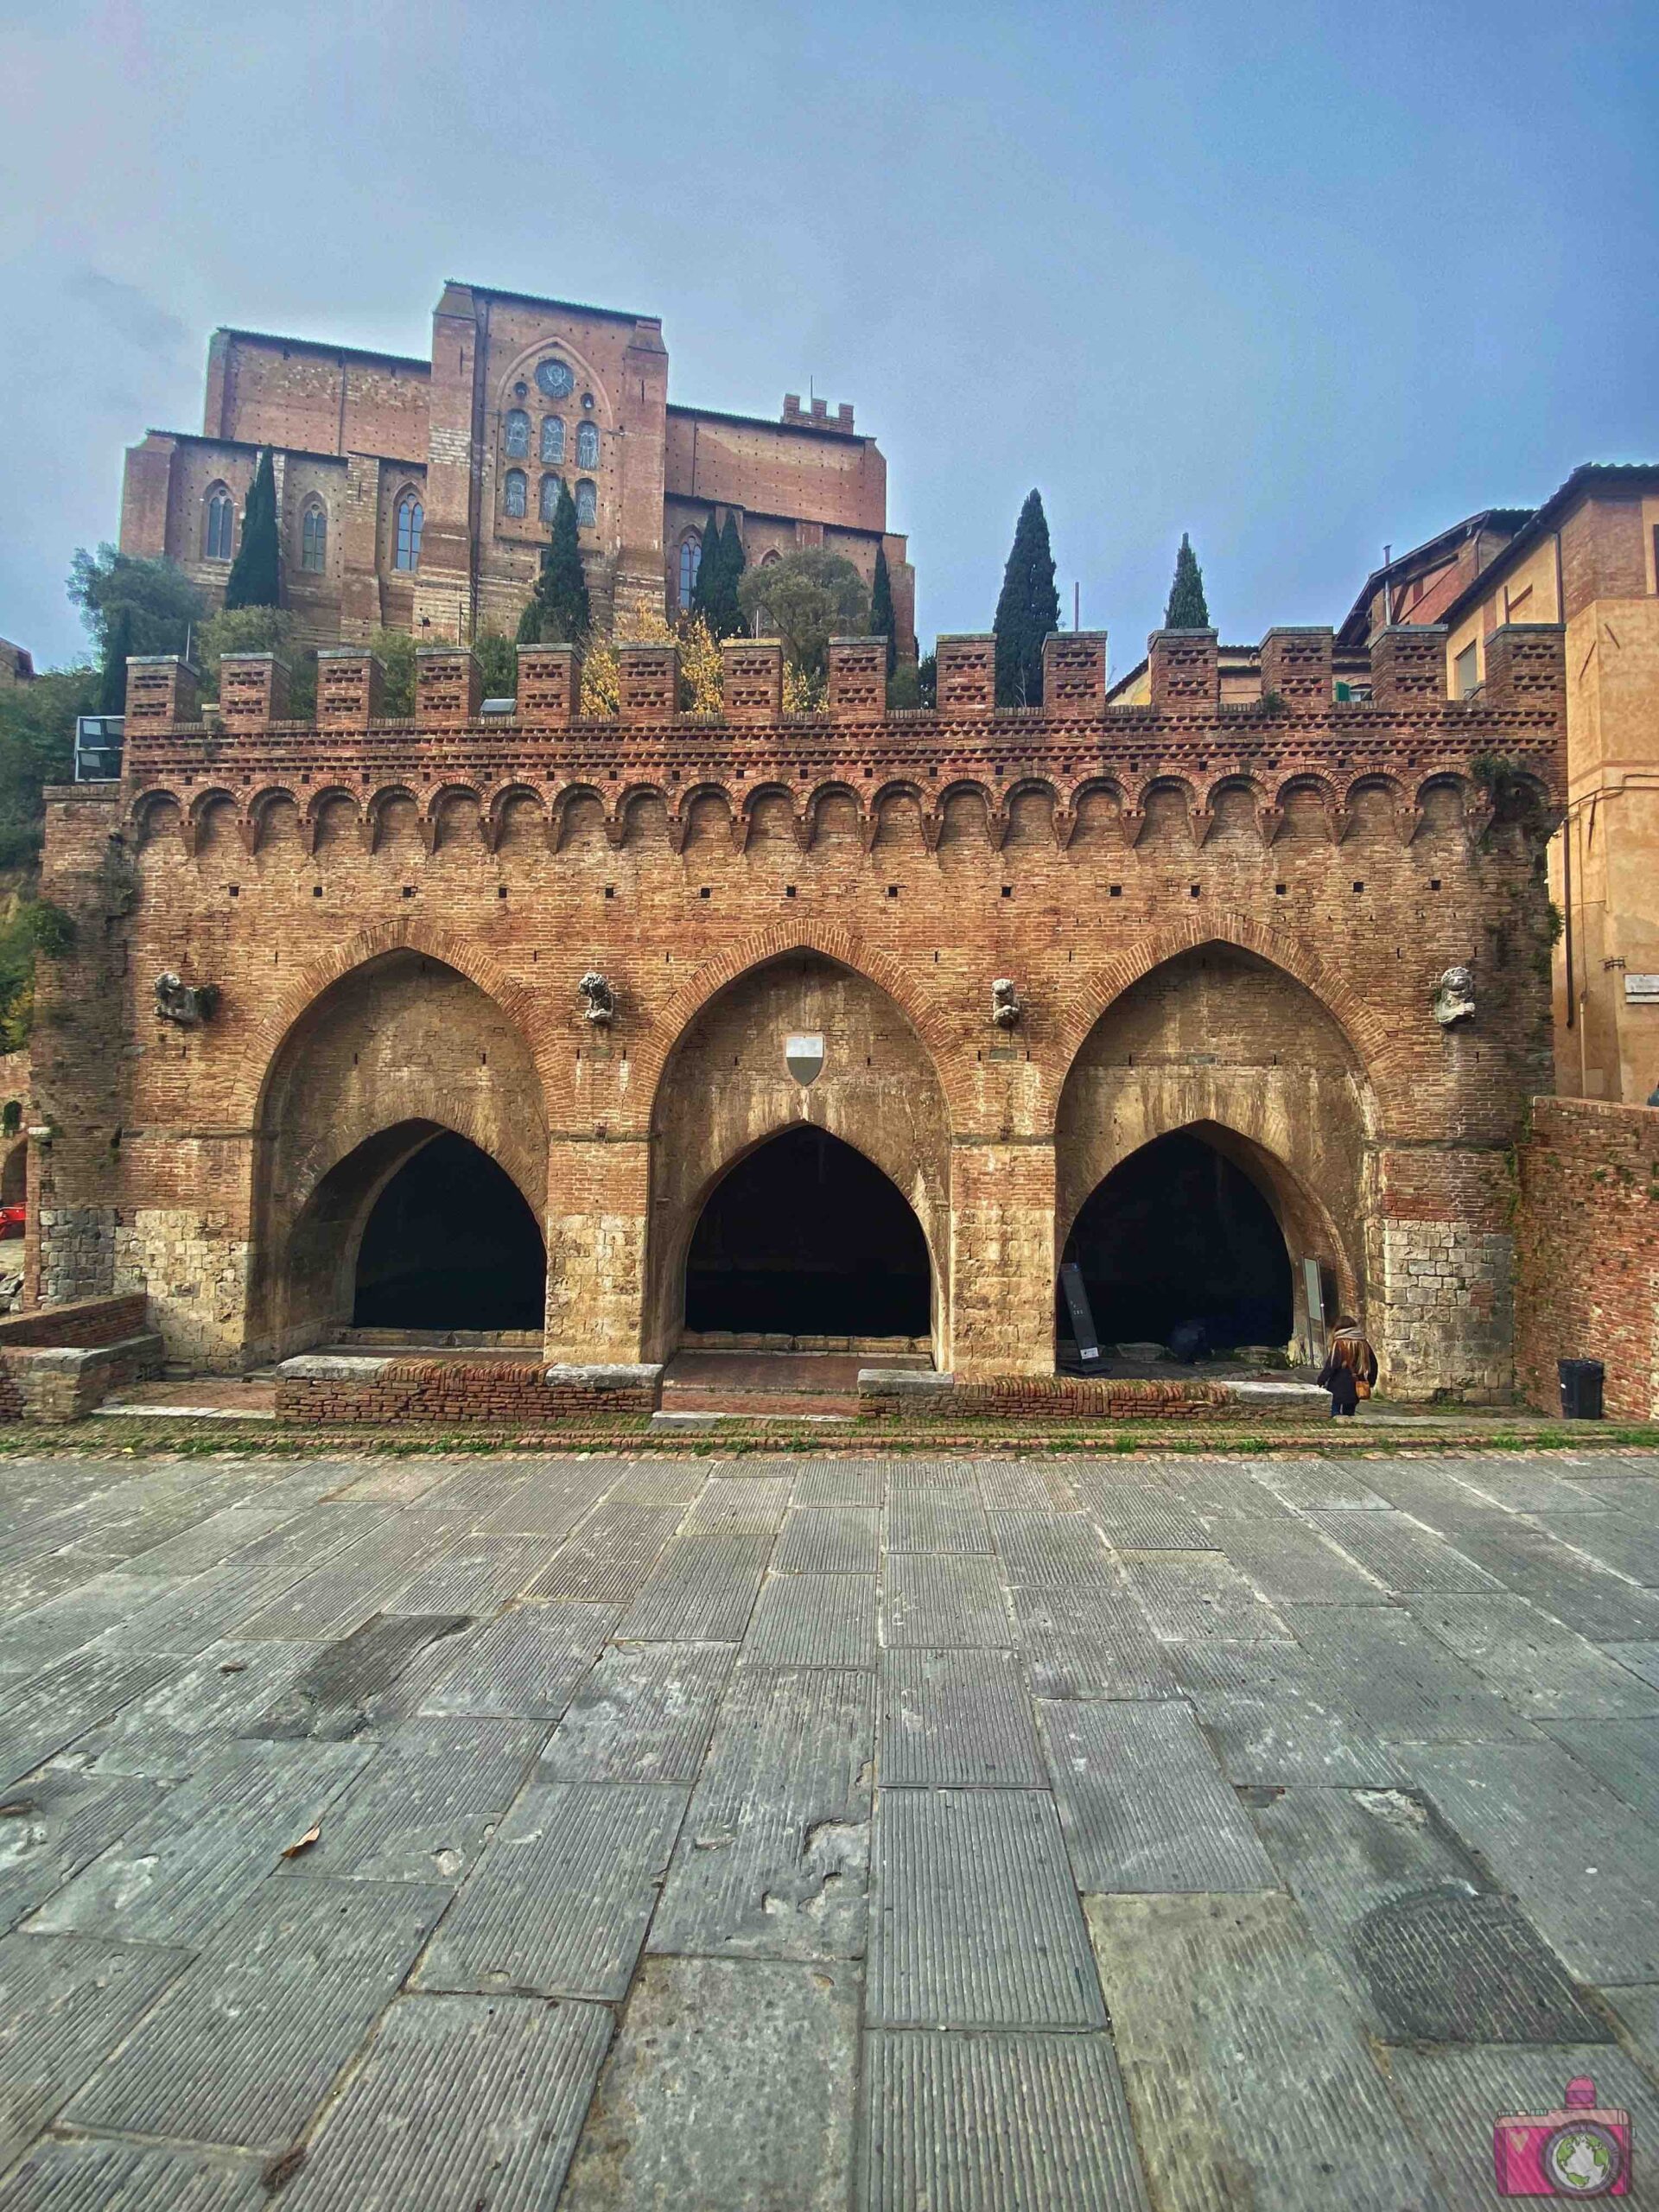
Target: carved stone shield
[803,1057]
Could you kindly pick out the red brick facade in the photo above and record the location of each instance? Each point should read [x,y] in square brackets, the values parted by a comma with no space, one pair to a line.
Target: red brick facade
[1230,918]
[519,393]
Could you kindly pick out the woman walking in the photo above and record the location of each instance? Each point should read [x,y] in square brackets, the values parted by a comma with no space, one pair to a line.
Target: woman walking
[1349,1367]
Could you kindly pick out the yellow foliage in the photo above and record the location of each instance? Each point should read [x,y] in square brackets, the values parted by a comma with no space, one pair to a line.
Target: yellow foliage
[700,665]
[804,693]
[602,686]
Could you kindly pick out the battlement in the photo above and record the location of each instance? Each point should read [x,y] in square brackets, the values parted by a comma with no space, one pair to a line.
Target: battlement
[816,415]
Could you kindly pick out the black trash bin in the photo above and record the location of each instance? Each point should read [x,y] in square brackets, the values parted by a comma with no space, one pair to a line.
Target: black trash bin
[1581,1381]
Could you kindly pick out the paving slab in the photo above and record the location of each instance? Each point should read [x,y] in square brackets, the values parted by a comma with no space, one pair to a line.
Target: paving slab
[1187,1595]
[243,2046]
[936,1521]
[814,1620]
[1046,1548]
[644,1713]
[1270,1713]
[178,1873]
[118,2177]
[1143,1516]
[1305,2121]
[932,1474]
[1522,1482]
[1454,2098]
[988,2123]
[829,1540]
[39,1716]
[1094,1642]
[477,1575]
[1007,1485]
[1398,1552]
[1622,1754]
[935,1599]
[202,1701]
[956,1718]
[773,1855]
[729,1508]
[423,1806]
[1619,1540]
[1429,1490]
[1536,1564]
[839,1482]
[1533,1661]
[1585,1868]
[1287,1561]
[210,1542]
[1433,1952]
[1319,1485]
[609,1559]
[1406,1687]
[559,1903]
[526,1665]
[976,1921]
[688,2110]
[342,1594]
[1228,1487]
[548,1504]
[209,1606]
[660,1482]
[1637,2008]
[31,1642]
[57,1823]
[460,2102]
[66,2001]
[702,1590]
[355,1681]
[1143,1804]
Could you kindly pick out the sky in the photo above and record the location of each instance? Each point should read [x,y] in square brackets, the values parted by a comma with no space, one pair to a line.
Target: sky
[1298,279]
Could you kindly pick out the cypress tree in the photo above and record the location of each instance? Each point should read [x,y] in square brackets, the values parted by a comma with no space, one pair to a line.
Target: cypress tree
[112,685]
[1186,609]
[256,577]
[732,561]
[705,591]
[558,613]
[881,622]
[1027,610]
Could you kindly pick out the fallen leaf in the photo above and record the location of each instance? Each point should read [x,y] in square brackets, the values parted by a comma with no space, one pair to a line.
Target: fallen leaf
[278,2171]
[293,1850]
[233,1667]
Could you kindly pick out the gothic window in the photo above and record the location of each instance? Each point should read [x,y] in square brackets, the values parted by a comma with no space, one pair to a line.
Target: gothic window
[517,494]
[218,523]
[517,431]
[587,445]
[554,378]
[771,559]
[549,497]
[411,520]
[587,503]
[552,439]
[690,562]
[313,538]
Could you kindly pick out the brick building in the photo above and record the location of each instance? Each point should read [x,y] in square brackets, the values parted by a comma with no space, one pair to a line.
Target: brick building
[1589,559]
[417,494]
[603,1033]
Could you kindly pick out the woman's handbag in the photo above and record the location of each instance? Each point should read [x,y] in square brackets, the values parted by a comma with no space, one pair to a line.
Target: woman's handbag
[1362,1389]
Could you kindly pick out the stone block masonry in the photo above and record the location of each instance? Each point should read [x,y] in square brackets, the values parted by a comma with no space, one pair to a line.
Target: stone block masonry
[580,946]
[1588,1251]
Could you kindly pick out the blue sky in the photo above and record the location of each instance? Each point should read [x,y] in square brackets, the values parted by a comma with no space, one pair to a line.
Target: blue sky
[1299,279]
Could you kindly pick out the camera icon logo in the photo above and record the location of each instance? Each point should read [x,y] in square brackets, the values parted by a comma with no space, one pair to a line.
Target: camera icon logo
[1583,2149]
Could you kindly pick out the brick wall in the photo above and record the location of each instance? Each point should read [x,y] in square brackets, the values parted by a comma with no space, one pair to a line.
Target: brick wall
[1588,1251]
[469,1392]
[91,1322]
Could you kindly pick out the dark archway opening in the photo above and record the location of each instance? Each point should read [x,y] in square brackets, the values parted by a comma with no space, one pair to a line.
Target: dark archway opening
[14,1177]
[450,1244]
[805,1237]
[1177,1234]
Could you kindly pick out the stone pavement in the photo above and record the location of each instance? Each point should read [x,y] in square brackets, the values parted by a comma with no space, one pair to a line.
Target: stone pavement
[460,1833]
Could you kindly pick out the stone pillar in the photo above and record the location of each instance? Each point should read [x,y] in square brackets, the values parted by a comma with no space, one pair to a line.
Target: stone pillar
[1526,666]
[1074,674]
[858,679]
[1440,1305]
[1185,671]
[252,690]
[350,685]
[1409,665]
[648,680]
[751,679]
[449,687]
[1297,664]
[1002,1260]
[549,686]
[967,674]
[598,1198]
[162,694]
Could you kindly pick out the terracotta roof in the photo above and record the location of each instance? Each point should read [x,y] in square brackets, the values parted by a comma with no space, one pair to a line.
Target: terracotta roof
[1592,476]
[1356,623]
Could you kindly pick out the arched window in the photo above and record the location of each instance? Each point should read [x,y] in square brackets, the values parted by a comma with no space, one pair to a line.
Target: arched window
[587,445]
[690,562]
[516,429]
[313,538]
[771,559]
[218,523]
[549,497]
[411,520]
[587,503]
[552,439]
[517,494]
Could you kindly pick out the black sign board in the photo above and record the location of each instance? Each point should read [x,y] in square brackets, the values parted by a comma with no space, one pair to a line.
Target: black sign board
[1077,1305]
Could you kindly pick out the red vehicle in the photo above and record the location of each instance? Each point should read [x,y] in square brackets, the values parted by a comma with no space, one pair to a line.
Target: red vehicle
[13,1220]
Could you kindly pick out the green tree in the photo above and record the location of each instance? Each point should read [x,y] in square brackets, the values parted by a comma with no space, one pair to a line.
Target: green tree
[881,621]
[558,613]
[725,617]
[927,680]
[1028,609]
[705,588]
[1186,609]
[163,606]
[37,744]
[395,650]
[27,926]
[256,577]
[112,682]
[806,598]
[498,663]
[259,630]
